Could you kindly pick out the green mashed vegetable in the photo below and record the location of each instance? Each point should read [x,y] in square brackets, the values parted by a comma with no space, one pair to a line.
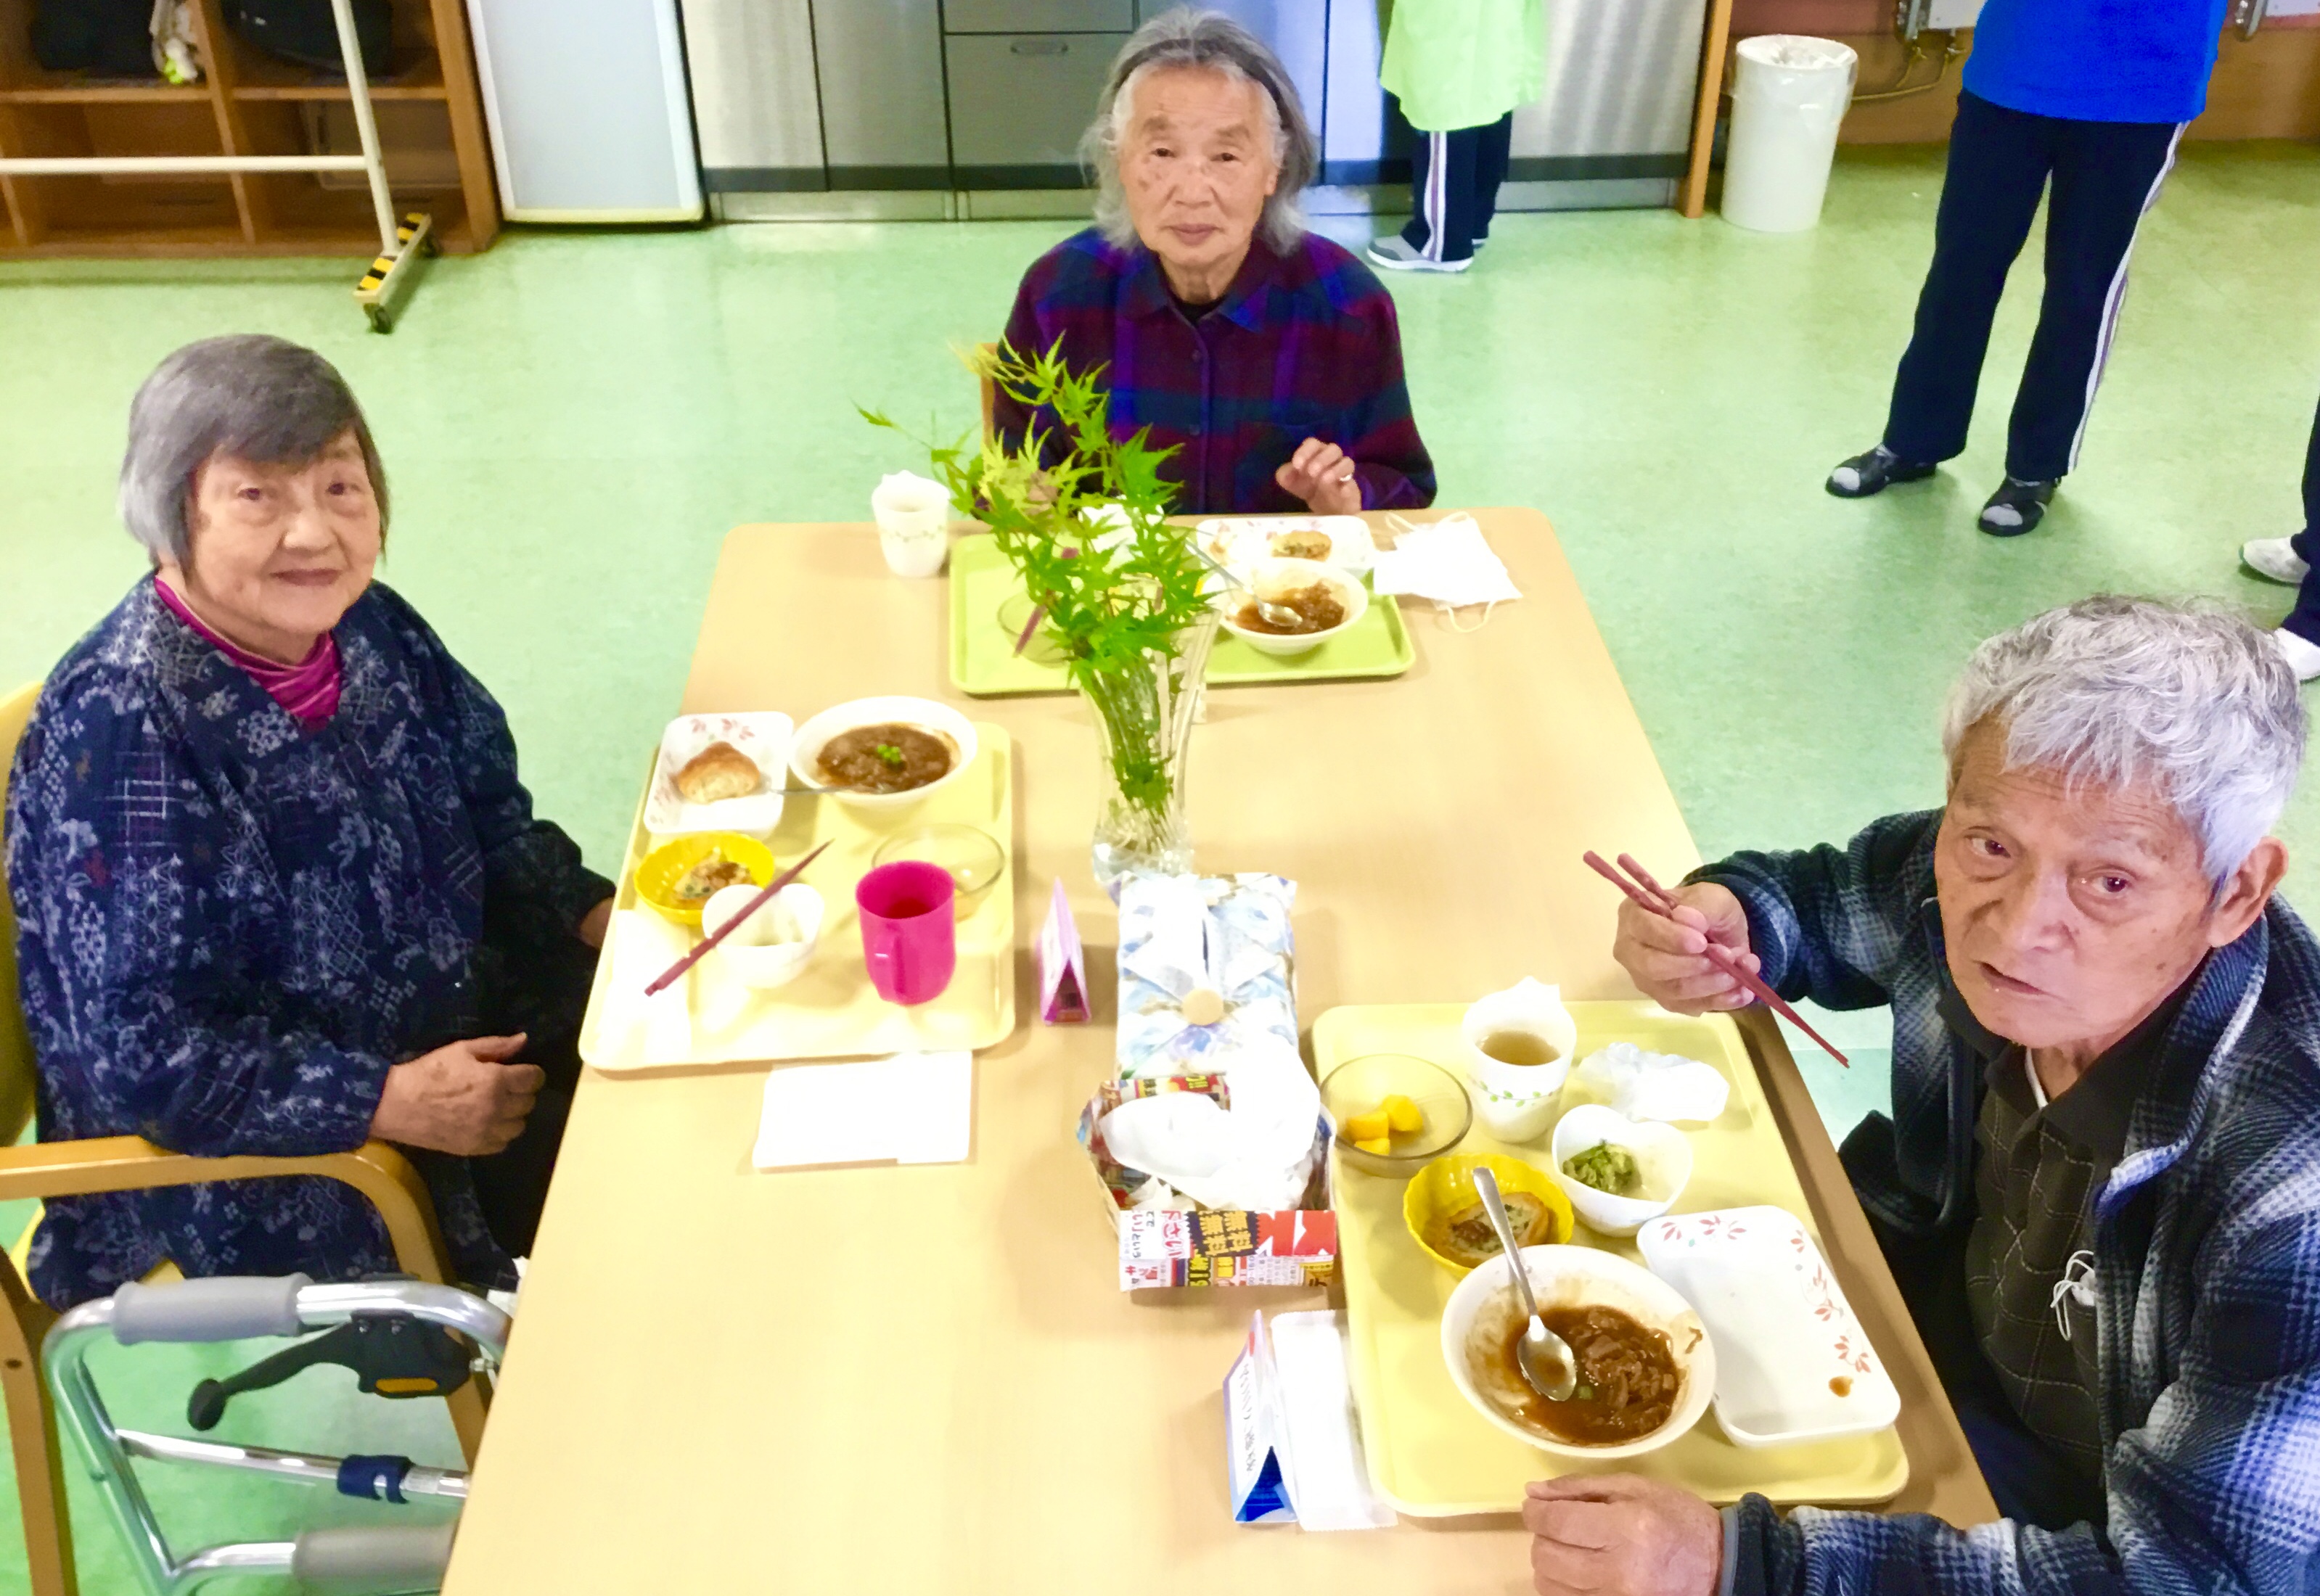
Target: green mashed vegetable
[1607,1168]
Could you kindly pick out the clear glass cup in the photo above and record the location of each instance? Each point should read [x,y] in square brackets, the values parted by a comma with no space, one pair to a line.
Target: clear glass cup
[975,861]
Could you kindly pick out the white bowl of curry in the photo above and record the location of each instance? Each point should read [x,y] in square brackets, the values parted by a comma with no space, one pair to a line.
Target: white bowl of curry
[1646,1368]
[1327,602]
[884,752]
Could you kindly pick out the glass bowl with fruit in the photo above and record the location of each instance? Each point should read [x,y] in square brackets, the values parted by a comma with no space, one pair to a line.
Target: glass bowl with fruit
[1394,1113]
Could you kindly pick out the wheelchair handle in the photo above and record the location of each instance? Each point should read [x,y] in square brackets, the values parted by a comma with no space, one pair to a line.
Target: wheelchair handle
[226,1308]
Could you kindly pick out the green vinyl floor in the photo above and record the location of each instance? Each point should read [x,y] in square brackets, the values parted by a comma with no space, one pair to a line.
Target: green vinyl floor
[572,422]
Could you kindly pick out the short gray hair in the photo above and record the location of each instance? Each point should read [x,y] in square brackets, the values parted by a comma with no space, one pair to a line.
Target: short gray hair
[261,399]
[1211,40]
[2118,693]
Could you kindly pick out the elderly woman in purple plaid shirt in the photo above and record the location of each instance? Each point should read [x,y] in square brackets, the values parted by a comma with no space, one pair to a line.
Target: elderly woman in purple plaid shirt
[1270,357]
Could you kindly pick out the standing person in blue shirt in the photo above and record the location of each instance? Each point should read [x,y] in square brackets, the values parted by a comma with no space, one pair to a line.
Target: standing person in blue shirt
[2093,94]
[2290,560]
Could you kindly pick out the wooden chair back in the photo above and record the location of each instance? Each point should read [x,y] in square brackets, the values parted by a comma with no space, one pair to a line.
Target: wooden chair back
[989,396]
[16,1071]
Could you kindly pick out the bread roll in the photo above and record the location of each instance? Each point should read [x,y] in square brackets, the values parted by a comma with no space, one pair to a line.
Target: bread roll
[719,771]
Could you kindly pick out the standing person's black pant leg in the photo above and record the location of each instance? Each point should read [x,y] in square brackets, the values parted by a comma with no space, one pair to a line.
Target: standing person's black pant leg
[2107,178]
[1447,212]
[1998,165]
[2106,174]
[2303,621]
[1493,146]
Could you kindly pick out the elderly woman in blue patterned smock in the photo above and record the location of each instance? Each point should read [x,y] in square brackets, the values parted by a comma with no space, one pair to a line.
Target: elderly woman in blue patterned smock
[278,889]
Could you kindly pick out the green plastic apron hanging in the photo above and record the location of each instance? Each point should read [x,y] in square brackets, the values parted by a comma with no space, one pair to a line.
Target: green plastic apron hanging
[1464,63]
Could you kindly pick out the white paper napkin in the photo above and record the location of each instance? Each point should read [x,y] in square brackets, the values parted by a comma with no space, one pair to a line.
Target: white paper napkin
[656,1029]
[1328,1483]
[913,1108]
[1654,1086]
[1448,561]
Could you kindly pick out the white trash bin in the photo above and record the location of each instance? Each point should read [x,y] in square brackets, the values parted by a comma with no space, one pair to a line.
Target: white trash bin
[1788,98]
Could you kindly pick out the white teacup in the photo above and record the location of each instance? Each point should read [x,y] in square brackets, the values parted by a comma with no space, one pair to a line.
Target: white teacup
[1515,1093]
[913,518]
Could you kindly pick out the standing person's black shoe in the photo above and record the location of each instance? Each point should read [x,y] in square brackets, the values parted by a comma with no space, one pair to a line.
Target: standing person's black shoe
[1874,471]
[2017,506]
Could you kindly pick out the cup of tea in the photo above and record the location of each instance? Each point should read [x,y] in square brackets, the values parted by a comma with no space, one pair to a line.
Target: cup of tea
[913,516]
[1518,1048]
[910,940]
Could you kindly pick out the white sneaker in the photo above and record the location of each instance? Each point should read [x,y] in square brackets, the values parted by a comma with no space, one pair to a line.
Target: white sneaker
[2303,655]
[1394,253]
[2274,559]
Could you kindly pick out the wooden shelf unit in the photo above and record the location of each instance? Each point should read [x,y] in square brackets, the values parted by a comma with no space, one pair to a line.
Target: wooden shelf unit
[249,103]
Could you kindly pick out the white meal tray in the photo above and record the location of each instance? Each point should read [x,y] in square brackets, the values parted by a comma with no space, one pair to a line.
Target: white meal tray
[763,735]
[1792,1363]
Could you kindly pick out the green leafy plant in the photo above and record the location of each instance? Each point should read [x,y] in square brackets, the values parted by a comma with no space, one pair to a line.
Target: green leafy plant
[1121,592]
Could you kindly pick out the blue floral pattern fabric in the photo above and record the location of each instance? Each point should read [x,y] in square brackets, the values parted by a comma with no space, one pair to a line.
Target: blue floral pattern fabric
[230,929]
[2206,1242]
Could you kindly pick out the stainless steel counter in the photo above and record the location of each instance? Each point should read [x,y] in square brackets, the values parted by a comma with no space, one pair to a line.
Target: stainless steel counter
[957,108]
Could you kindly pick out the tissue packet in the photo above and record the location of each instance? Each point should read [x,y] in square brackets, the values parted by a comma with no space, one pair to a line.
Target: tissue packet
[1225,938]
[1166,1239]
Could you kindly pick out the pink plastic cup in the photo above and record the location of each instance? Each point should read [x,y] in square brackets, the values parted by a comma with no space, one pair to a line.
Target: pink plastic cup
[910,939]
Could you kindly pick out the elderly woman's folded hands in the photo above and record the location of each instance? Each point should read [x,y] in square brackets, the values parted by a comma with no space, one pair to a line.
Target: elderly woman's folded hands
[469,1099]
[1668,959]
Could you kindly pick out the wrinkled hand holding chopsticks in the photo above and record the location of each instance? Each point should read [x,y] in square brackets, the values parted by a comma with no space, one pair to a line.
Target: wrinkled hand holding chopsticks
[765,895]
[1648,894]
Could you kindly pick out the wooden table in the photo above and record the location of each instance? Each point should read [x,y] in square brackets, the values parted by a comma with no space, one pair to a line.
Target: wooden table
[924,1379]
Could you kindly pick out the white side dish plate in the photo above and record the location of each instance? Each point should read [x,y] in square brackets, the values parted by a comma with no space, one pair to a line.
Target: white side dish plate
[1239,542]
[1792,1363]
[763,735]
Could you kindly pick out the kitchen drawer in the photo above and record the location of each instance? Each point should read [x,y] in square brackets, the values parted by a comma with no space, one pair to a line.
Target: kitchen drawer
[1038,17]
[1018,104]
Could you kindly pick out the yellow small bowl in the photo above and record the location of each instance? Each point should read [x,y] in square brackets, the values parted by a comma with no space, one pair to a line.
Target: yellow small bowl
[1446,1185]
[658,871]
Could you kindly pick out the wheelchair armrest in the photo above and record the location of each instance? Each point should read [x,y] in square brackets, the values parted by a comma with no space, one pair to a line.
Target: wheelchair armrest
[132,1164]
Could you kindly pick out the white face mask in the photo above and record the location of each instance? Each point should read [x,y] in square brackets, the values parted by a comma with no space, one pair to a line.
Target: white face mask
[1448,561]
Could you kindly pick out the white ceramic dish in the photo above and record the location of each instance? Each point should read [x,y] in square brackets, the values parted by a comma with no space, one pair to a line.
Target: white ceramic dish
[764,737]
[1793,1364]
[1268,580]
[1241,541]
[771,947]
[1564,1276]
[805,747]
[1662,1156]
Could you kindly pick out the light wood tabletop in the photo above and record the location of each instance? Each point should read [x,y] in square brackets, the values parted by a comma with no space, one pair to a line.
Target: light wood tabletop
[924,1379]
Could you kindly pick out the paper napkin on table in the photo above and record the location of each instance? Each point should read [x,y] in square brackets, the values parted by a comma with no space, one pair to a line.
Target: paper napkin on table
[913,1108]
[1329,1482]
[1654,1086]
[1448,561]
[656,1030]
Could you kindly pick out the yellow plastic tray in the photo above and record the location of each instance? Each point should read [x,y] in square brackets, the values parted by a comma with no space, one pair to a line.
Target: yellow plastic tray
[1429,1453]
[831,1011]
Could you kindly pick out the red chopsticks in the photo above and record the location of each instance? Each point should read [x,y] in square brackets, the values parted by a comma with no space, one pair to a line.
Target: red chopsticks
[1650,895]
[763,897]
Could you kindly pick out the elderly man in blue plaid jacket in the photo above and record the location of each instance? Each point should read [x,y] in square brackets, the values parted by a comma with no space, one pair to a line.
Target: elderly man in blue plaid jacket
[2100,1187]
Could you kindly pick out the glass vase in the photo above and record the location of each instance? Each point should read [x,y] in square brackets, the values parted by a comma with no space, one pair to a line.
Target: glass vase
[1145,713]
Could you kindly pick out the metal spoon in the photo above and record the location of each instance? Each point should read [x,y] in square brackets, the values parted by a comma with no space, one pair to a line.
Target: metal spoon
[1278,614]
[1544,1356]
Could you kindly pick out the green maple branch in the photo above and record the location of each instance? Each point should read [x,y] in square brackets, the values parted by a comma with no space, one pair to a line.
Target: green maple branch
[1116,604]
